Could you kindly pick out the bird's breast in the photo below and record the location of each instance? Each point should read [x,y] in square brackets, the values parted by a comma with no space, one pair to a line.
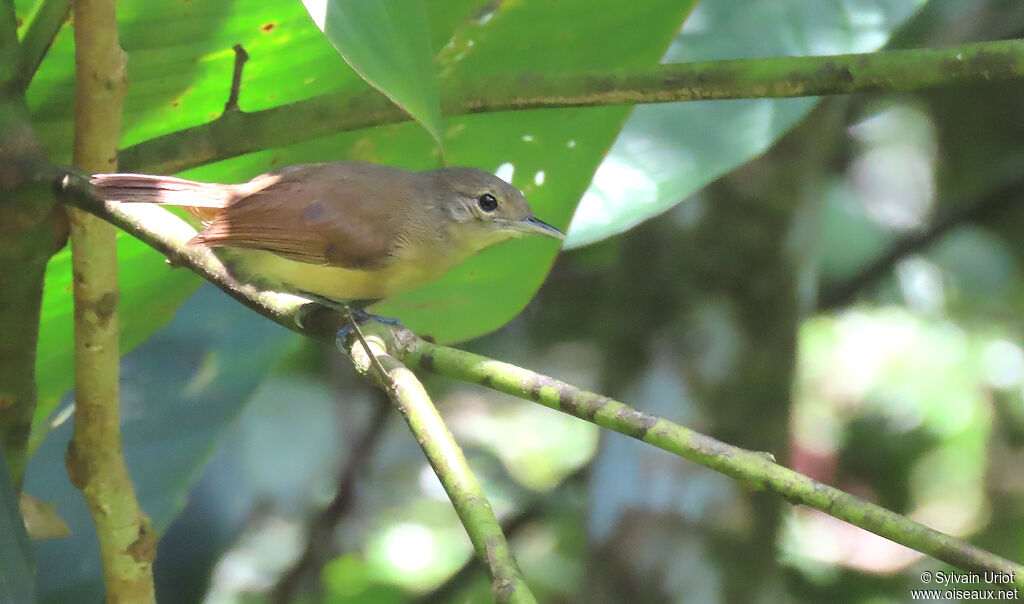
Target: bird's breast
[336,283]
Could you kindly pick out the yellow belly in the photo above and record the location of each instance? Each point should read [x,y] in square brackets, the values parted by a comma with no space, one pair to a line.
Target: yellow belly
[334,283]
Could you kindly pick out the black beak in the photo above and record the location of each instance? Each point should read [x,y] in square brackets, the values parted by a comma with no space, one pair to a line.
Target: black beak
[532,224]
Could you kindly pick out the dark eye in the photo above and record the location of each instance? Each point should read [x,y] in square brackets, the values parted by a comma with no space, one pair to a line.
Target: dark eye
[487,202]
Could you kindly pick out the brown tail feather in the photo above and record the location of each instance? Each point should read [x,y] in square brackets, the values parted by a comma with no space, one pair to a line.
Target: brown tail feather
[162,189]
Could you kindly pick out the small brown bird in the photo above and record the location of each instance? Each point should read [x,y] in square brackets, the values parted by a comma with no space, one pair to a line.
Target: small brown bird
[343,231]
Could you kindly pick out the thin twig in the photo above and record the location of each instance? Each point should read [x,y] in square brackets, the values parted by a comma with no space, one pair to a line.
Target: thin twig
[238,133]
[236,78]
[385,378]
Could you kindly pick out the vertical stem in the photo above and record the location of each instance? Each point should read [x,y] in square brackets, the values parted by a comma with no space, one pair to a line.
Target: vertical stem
[95,461]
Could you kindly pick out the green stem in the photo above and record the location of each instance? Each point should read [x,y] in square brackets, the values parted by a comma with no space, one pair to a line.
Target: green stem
[372,360]
[236,133]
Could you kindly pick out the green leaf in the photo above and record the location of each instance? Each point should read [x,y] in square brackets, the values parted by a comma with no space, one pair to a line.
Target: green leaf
[387,42]
[668,152]
[17,564]
[550,154]
[180,66]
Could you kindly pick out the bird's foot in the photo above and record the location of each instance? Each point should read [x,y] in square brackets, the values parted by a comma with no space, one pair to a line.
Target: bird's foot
[361,316]
[355,313]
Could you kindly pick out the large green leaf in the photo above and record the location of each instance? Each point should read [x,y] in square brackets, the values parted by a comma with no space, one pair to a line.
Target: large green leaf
[550,154]
[180,66]
[388,43]
[667,152]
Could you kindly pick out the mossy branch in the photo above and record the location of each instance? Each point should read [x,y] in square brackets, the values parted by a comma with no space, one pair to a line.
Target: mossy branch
[753,469]
[236,133]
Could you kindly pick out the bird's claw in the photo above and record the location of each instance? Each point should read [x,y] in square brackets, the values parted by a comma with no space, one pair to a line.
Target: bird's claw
[361,316]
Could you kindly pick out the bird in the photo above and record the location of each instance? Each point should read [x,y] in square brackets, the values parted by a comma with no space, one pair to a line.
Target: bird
[343,231]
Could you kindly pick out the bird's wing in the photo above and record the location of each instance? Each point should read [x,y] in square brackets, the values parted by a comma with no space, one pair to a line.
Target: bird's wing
[326,214]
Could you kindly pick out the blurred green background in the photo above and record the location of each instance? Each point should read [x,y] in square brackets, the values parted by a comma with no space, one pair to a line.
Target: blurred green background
[732,268]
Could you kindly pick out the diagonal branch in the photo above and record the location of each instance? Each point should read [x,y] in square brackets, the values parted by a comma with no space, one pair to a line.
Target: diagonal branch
[752,469]
[238,133]
[448,462]
[168,234]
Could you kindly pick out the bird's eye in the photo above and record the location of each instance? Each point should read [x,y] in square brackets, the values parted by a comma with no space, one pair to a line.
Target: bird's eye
[487,202]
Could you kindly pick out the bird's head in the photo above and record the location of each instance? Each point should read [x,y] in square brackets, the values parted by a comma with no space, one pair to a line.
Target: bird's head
[484,210]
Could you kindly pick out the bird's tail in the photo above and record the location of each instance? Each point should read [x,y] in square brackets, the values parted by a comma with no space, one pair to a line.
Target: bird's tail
[163,190]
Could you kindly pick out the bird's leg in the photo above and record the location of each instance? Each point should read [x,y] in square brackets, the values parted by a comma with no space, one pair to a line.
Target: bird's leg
[357,312]
[361,316]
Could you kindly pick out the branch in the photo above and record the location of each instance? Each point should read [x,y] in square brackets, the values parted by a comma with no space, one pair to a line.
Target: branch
[42,30]
[168,234]
[752,469]
[238,133]
[470,571]
[755,470]
[532,511]
[844,293]
[95,462]
[448,462]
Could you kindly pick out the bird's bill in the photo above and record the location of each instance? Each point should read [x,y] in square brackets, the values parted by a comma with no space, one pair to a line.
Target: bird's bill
[536,226]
